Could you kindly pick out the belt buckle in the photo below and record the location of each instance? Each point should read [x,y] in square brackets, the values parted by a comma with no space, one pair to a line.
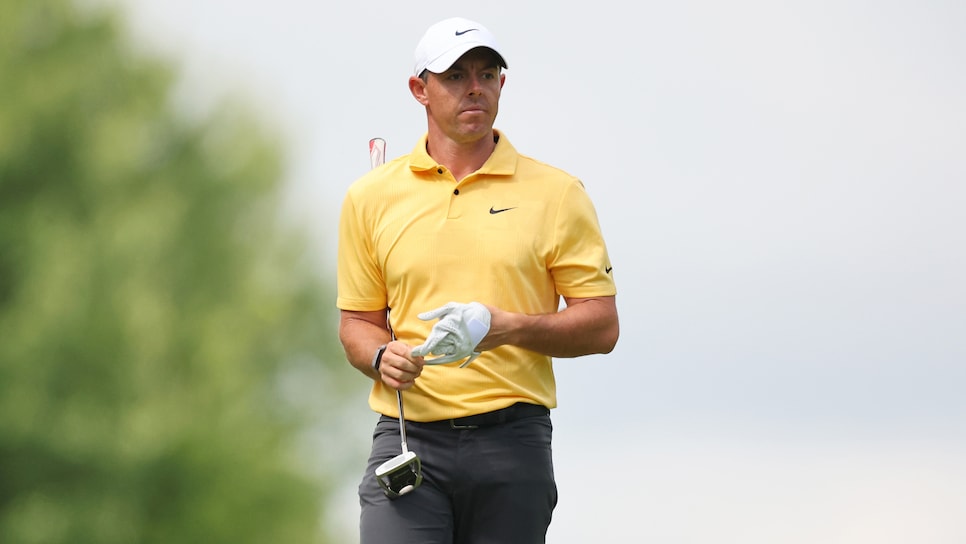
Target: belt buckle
[453,425]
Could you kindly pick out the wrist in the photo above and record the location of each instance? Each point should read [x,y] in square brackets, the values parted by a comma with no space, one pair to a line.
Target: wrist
[377,358]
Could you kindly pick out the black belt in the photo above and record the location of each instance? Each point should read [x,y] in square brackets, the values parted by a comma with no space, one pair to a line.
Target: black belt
[519,410]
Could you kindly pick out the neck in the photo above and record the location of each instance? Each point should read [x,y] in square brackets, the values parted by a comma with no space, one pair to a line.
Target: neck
[461,158]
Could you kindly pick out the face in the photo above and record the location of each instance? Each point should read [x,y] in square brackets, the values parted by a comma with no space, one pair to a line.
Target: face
[462,102]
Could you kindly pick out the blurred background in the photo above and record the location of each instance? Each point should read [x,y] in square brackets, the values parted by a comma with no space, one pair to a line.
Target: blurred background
[782,188]
[168,364]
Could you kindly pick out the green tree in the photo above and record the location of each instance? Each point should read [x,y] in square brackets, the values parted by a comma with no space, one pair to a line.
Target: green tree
[154,315]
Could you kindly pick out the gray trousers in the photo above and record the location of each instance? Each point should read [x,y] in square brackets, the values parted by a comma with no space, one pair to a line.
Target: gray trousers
[492,484]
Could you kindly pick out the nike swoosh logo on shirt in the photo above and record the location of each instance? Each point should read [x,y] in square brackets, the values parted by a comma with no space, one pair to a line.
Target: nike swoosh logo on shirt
[494,212]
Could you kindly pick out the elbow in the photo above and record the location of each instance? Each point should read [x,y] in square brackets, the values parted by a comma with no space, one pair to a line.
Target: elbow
[604,339]
[609,339]
[610,335]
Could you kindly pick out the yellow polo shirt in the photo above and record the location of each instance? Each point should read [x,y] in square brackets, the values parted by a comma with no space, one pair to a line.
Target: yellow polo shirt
[516,234]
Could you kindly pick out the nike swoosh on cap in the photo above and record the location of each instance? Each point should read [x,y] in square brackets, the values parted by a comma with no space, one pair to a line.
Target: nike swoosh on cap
[461,32]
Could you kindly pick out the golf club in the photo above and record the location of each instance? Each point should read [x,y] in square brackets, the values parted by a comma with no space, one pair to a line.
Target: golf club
[402,473]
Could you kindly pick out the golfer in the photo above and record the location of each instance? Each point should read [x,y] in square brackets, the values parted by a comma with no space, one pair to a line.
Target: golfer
[460,252]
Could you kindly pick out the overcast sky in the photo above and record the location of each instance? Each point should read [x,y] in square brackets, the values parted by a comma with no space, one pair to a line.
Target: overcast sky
[781,185]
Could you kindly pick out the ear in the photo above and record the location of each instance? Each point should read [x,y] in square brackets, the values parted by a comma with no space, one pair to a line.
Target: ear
[502,79]
[418,88]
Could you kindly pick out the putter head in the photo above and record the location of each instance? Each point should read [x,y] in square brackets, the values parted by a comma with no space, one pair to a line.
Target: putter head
[400,475]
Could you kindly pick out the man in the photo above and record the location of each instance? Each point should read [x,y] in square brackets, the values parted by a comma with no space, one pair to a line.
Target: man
[465,219]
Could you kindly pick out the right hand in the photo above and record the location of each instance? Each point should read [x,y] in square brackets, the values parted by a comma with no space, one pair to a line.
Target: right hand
[399,368]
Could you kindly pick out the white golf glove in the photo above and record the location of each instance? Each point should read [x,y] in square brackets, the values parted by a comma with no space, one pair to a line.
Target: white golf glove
[460,328]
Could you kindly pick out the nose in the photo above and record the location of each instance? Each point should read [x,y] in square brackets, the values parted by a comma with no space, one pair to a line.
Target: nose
[476,84]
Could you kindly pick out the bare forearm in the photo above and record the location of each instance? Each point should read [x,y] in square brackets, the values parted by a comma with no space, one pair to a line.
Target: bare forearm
[584,327]
[360,337]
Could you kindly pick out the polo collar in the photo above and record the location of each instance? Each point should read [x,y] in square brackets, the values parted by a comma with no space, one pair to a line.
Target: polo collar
[502,162]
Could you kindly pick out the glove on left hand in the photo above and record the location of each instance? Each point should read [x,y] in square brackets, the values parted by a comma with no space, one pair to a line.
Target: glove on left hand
[460,328]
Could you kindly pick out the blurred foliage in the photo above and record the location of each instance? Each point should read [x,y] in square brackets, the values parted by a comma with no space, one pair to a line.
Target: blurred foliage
[152,308]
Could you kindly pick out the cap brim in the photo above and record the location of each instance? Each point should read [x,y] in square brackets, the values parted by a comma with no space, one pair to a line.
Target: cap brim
[444,61]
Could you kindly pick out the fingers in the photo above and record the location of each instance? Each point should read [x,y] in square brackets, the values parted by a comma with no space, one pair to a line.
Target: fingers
[440,341]
[438,312]
[398,368]
[443,359]
[473,356]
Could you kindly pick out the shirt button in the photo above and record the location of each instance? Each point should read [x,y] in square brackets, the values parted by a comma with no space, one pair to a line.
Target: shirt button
[439,170]
[456,191]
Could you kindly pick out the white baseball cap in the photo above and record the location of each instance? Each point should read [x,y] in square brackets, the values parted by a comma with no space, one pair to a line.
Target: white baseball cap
[446,41]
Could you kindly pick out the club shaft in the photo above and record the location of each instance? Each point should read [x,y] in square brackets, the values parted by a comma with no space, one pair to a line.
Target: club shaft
[402,421]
